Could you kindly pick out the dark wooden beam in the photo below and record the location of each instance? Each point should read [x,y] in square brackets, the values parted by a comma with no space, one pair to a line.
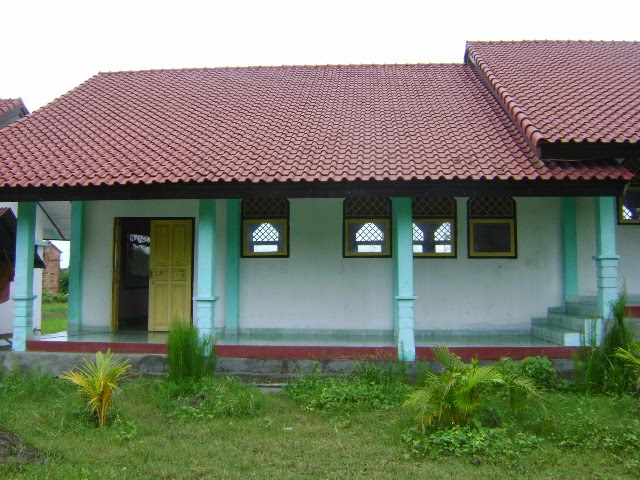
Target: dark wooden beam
[587,150]
[462,188]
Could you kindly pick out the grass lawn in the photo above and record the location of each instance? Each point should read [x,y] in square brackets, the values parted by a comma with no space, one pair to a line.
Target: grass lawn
[54,317]
[244,434]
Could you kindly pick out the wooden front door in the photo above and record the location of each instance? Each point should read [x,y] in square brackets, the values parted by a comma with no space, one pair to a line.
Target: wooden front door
[170,273]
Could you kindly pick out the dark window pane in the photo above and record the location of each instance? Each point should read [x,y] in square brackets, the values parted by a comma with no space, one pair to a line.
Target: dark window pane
[492,238]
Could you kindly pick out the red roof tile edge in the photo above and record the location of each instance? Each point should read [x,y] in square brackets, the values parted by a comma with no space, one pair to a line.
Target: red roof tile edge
[528,130]
[9,104]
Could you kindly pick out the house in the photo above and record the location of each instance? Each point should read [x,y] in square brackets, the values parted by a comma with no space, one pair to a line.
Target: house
[12,110]
[51,274]
[386,205]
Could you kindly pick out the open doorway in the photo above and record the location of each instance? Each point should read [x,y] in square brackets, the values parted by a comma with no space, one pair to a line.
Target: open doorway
[133,289]
[153,264]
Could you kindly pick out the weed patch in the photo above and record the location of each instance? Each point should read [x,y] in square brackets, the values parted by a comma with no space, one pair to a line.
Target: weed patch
[474,441]
[371,386]
[218,398]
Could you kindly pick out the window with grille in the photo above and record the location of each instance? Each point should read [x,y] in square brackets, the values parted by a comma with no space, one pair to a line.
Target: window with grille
[434,226]
[367,227]
[629,203]
[265,227]
[492,227]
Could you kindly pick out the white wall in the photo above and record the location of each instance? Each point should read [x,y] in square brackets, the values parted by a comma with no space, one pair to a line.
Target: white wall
[316,287]
[98,254]
[628,245]
[485,294]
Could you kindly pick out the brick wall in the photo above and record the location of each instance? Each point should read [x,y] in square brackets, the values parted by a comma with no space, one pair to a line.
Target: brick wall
[51,274]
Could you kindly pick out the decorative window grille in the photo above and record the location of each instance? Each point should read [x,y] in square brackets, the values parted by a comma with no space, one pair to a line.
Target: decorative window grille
[265,227]
[367,227]
[629,202]
[434,223]
[492,227]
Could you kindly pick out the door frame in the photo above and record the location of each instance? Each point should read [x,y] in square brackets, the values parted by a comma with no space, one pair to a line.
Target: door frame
[117,264]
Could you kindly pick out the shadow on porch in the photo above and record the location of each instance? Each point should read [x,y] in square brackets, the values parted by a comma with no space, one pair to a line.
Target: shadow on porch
[307,347]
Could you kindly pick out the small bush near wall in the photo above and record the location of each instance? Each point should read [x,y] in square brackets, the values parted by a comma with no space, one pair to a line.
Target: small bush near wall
[539,369]
[598,369]
[64,281]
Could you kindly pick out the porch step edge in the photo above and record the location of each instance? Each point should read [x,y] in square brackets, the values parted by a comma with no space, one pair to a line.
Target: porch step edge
[560,336]
[570,322]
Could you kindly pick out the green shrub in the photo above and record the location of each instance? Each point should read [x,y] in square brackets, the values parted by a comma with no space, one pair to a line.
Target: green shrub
[631,357]
[64,281]
[598,369]
[372,385]
[468,440]
[384,372]
[539,369]
[54,297]
[464,393]
[190,355]
[98,381]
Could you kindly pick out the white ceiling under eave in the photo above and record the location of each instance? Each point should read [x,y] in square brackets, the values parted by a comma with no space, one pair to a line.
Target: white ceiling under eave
[58,226]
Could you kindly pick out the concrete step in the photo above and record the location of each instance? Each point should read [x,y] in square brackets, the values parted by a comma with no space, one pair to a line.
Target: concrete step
[539,322]
[561,336]
[570,322]
[556,310]
[583,309]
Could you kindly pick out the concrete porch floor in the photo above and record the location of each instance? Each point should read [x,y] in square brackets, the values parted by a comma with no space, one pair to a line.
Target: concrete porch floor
[305,347]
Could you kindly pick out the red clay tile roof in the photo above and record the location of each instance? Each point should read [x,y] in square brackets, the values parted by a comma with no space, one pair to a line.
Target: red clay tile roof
[9,104]
[566,91]
[322,123]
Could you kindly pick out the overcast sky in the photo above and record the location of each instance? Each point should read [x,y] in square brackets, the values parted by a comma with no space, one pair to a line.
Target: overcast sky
[51,46]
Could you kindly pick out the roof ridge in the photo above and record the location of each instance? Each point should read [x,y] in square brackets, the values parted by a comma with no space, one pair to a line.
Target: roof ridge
[517,114]
[486,42]
[268,67]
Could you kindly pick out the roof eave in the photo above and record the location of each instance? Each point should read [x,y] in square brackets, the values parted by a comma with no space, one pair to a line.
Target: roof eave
[575,151]
[316,189]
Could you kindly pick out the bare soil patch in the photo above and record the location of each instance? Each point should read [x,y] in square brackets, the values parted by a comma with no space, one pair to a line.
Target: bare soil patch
[13,450]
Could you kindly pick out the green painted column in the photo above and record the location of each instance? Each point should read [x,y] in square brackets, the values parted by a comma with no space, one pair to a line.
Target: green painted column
[206,262]
[23,296]
[569,247]
[606,258]
[76,265]
[232,313]
[403,277]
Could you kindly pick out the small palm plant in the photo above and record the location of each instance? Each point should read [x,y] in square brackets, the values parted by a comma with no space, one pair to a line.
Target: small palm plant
[454,396]
[631,358]
[98,381]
